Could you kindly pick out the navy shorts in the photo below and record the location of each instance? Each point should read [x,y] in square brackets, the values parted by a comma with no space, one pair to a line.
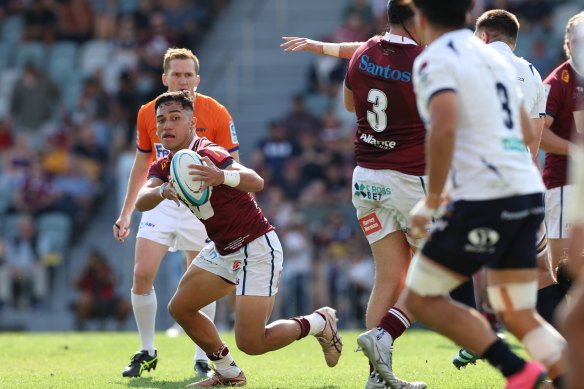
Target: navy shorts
[499,234]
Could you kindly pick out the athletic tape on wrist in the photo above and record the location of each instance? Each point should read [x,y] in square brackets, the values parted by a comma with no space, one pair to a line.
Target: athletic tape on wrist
[421,209]
[231,178]
[162,188]
[333,49]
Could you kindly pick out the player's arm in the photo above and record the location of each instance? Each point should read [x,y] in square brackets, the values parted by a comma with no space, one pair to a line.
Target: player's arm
[537,127]
[153,192]
[526,126]
[440,140]
[552,143]
[137,179]
[235,155]
[348,99]
[341,50]
[443,109]
[234,175]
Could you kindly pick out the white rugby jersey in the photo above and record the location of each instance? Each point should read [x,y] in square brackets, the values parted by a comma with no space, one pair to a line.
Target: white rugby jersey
[529,79]
[490,159]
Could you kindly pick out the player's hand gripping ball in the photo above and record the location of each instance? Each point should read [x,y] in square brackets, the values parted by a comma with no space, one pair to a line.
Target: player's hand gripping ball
[189,191]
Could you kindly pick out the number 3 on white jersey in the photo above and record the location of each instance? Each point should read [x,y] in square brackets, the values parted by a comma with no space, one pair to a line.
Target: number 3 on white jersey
[378,118]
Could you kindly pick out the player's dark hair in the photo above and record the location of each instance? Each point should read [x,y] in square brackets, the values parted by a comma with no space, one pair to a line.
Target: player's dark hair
[398,14]
[445,14]
[401,15]
[182,96]
[500,24]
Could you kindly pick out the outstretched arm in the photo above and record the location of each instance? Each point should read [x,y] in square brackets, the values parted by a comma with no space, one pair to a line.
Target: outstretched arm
[341,50]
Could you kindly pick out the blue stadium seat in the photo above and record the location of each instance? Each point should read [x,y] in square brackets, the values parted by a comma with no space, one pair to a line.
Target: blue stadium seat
[11,29]
[62,61]
[94,56]
[5,57]
[54,228]
[7,79]
[31,52]
[10,226]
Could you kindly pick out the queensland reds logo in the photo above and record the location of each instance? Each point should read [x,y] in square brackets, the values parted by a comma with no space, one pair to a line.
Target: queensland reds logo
[236,265]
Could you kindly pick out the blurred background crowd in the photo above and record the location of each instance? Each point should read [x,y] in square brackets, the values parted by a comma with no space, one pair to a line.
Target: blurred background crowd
[73,74]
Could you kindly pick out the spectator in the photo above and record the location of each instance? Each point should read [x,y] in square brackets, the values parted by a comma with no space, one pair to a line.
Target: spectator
[76,21]
[97,298]
[35,193]
[40,22]
[33,103]
[274,150]
[28,274]
[299,120]
[361,8]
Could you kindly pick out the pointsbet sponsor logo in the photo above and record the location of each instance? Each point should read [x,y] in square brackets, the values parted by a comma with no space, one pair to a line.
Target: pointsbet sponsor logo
[371,192]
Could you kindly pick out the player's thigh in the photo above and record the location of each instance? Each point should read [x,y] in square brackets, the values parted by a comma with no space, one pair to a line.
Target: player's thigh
[251,317]
[392,255]
[198,288]
[147,260]
[191,235]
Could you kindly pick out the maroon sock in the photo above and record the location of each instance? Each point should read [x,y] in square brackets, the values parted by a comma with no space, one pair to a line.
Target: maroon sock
[370,368]
[395,322]
[304,326]
[221,353]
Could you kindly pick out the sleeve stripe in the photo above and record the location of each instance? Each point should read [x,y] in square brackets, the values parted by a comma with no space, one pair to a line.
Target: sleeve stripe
[143,150]
[234,149]
[226,165]
[439,91]
[160,178]
[550,114]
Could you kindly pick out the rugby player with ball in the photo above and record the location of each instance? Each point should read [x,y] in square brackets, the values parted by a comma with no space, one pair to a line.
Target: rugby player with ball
[244,254]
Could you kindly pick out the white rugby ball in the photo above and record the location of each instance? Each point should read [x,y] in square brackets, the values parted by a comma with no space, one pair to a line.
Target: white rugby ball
[188,191]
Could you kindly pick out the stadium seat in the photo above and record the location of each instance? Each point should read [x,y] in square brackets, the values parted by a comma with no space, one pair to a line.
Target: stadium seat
[5,57]
[62,61]
[10,226]
[54,228]
[31,52]
[11,29]
[94,56]
[7,79]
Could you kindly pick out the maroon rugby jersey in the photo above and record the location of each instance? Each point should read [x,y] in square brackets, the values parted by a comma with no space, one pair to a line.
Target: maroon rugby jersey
[390,133]
[236,218]
[561,104]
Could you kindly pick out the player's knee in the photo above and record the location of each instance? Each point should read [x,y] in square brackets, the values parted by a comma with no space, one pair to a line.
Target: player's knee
[413,301]
[175,310]
[143,279]
[250,346]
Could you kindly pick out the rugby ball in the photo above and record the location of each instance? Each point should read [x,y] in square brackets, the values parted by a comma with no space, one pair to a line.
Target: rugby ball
[188,191]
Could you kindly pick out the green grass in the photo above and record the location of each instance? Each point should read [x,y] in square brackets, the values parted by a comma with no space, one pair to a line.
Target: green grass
[95,360]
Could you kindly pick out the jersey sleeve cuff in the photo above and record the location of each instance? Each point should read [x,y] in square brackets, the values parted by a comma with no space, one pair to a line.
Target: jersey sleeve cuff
[154,176]
[438,91]
[551,114]
[226,164]
[143,150]
[233,149]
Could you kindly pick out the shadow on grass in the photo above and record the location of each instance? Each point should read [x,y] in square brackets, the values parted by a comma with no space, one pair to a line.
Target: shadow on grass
[147,382]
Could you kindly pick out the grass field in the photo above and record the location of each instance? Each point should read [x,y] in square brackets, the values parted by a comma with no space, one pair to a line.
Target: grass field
[95,360]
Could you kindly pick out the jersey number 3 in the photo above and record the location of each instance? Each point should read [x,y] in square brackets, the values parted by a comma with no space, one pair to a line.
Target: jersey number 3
[504,97]
[378,118]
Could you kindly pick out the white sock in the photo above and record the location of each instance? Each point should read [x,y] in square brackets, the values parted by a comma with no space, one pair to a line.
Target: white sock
[226,366]
[317,323]
[209,310]
[144,306]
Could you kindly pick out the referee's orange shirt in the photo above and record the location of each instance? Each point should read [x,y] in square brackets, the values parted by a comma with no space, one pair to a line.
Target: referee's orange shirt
[213,122]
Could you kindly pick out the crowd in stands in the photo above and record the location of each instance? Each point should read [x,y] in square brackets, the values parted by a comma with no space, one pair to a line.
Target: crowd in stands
[73,74]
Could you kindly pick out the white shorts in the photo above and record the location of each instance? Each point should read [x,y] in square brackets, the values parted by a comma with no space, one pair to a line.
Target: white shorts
[255,268]
[383,200]
[556,205]
[173,226]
